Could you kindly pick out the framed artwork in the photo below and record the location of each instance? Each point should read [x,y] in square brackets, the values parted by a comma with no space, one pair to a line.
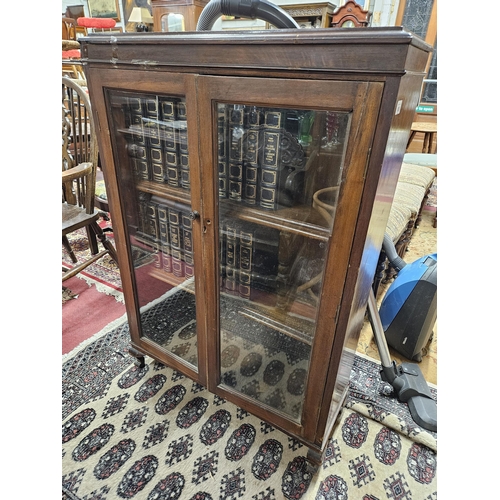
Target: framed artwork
[75,11]
[104,8]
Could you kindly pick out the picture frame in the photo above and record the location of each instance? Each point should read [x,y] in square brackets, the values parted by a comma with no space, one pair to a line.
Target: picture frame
[104,8]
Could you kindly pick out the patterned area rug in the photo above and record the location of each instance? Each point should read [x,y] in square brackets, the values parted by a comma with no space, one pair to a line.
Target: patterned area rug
[152,433]
[104,271]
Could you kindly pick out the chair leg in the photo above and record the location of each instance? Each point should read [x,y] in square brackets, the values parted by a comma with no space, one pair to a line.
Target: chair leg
[101,236]
[68,248]
[91,236]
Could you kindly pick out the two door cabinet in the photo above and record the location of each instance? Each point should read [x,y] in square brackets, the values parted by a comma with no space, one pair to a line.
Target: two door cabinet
[250,177]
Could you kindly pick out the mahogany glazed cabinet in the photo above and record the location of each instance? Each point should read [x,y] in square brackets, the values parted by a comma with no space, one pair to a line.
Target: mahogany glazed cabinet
[250,177]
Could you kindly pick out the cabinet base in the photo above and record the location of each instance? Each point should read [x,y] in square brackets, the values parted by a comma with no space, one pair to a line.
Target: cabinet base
[314,459]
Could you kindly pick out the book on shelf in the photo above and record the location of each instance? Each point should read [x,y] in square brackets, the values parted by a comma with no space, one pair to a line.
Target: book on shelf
[270,159]
[231,257]
[176,241]
[187,244]
[249,259]
[222,150]
[165,251]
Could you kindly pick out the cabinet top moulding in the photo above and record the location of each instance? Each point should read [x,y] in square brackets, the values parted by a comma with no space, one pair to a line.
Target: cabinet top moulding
[341,51]
[175,3]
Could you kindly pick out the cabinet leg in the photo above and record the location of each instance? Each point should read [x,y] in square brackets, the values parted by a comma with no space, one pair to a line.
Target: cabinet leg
[314,460]
[140,361]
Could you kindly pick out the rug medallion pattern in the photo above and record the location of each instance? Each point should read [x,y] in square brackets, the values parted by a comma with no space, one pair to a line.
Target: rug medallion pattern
[152,433]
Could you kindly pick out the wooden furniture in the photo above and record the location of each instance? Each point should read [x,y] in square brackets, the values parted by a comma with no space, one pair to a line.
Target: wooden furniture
[310,15]
[75,11]
[68,28]
[426,160]
[72,68]
[351,15]
[79,163]
[428,129]
[70,49]
[176,15]
[216,149]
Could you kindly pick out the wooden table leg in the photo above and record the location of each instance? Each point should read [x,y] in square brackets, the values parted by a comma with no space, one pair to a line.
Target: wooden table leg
[424,146]
[412,135]
[431,140]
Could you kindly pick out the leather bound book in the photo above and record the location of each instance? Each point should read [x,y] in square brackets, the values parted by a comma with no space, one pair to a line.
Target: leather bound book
[187,244]
[245,238]
[165,251]
[265,259]
[172,168]
[150,107]
[184,170]
[270,159]
[222,151]
[235,181]
[176,241]
[232,257]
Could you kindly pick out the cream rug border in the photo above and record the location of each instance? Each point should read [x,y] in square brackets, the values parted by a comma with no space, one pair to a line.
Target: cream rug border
[102,288]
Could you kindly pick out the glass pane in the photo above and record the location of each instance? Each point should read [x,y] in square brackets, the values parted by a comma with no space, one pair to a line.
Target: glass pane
[417,15]
[152,158]
[279,180]
[429,90]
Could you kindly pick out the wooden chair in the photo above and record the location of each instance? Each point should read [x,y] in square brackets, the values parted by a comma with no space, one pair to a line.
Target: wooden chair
[79,164]
[68,28]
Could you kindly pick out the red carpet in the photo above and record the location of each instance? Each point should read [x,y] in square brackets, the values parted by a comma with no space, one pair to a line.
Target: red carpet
[87,314]
[97,292]
[98,299]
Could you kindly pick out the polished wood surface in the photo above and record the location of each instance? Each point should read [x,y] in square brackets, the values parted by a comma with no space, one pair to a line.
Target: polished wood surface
[365,72]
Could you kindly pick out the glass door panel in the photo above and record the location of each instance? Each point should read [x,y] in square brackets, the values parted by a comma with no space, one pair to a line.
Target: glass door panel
[152,158]
[279,172]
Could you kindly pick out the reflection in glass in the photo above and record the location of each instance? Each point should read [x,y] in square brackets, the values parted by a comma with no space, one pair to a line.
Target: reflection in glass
[172,22]
[152,157]
[279,173]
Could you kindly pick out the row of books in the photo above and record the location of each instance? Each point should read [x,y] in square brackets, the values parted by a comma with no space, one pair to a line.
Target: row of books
[260,159]
[248,252]
[156,137]
[248,259]
[167,228]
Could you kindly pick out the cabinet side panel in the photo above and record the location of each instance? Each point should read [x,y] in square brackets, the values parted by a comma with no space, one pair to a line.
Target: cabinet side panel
[403,108]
